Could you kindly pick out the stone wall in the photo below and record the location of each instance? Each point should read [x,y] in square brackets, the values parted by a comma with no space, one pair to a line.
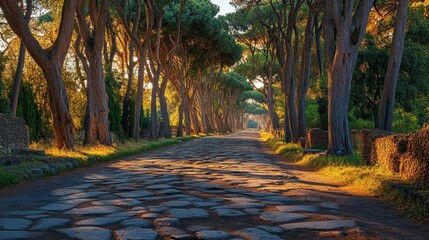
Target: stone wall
[13,134]
[406,154]
[316,138]
[367,138]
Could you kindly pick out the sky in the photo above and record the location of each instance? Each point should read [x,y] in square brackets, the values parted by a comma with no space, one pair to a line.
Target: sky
[224,5]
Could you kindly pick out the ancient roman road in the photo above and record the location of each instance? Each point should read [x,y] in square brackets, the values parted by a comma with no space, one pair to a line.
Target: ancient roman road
[221,187]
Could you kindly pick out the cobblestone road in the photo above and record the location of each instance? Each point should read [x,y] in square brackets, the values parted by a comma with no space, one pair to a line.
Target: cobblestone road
[222,187]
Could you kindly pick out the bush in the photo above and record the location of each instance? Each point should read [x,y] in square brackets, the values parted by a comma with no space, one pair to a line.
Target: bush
[404,122]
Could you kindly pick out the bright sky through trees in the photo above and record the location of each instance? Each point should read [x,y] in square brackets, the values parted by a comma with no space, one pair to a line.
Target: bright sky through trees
[224,6]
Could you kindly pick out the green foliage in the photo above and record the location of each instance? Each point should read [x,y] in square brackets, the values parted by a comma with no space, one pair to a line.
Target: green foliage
[404,122]
[9,179]
[313,117]
[412,88]
[359,123]
[253,108]
[235,81]
[252,95]
[29,111]
[4,101]
[112,90]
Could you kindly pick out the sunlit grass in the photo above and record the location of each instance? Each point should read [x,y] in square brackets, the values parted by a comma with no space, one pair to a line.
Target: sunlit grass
[85,155]
[359,178]
[291,151]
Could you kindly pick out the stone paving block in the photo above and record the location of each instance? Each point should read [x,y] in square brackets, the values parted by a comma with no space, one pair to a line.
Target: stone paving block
[205,204]
[228,212]
[212,235]
[94,210]
[330,206]
[178,204]
[136,233]
[167,222]
[281,217]
[169,191]
[123,214]
[159,187]
[271,229]
[125,202]
[65,191]
[320,225]
[157,209]
[188,213]
[13,235]
[14,223]
[135,194]
[58,207]
[136,223]
[297,208]
[82,186]
[37,216]
[99,221]
[83,195]
[87,233]
[256,234]
[252,211]
[170,232]
[25,213]
[47,223]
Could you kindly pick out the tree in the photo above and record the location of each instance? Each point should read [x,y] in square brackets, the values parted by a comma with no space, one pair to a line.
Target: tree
[344,25]
[394,64]
[304,77]
[51,61]
[19,67]
[142,48]
[92,34]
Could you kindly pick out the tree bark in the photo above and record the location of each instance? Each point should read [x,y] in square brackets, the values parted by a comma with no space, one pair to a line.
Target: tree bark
[392,74]
[344,30]
[304,78]
[98,129]
[50,61]
[170,60]
[17,81]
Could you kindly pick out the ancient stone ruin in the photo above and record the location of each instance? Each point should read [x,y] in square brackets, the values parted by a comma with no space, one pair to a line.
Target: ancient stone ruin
[13,134]
[406,154]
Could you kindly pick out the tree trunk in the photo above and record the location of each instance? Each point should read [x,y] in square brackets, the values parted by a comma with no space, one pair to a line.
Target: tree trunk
[58,101]
[126,102]
[17,81]
[187,118]
[139,97]
[194,120]
[180,125]
[164,113]
[395,58]
[304,78]
[99,130]
[344,30]
[338,95]
[153,110]
[92,33]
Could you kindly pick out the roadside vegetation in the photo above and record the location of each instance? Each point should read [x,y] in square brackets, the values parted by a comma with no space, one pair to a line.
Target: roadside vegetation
[84,155]
[360,178]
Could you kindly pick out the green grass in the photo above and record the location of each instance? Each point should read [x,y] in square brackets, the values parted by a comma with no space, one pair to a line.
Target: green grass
[363,179]
[85,155]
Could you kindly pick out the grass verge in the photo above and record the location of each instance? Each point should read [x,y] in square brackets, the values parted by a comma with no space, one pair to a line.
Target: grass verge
[353,173]
[85,155]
